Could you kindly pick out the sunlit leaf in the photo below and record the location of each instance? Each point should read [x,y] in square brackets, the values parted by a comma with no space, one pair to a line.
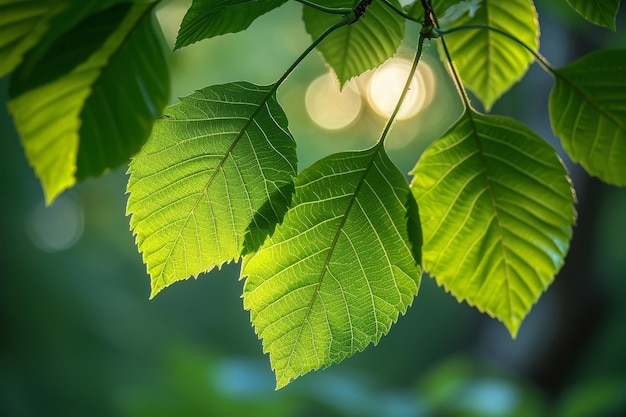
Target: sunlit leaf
[497,214]
[22,24]
[212,181]
[600,12]
[356,48]
[209,18]
[339,270]
[588,113]
[89,103]
[490,63]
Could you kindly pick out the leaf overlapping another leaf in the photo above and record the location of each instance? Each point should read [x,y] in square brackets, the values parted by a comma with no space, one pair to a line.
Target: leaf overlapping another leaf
[60,100]
[600,12]
[22,24]
[212,181]
[497,214]
[356,48]
[588,113]
[342,266]
[490,63]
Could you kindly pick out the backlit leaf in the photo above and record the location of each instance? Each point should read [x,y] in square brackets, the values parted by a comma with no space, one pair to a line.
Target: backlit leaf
[356,48]
[22,24]
[588,113]
[209,18]
[490,63]
[212,181]
[600,12]
[497,214]
[91,99]
[339,270]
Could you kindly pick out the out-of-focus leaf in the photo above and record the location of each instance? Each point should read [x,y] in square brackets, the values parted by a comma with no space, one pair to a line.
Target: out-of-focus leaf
[497,214]
[209,18]
[212,181]
[588,113]
[60,103]
[600,12]
[356,48]
[22,24]
[339,270]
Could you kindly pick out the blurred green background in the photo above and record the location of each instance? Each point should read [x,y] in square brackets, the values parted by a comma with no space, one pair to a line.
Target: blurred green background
[80,338]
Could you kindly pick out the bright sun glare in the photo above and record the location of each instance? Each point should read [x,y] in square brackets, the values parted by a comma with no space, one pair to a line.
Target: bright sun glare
[380,89]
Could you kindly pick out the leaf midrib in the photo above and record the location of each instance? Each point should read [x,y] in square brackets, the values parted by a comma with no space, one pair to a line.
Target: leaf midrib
[377,148]
[494,206]
[218,168]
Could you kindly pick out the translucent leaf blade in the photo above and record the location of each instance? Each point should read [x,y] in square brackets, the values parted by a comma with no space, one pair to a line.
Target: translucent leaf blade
[354,49]
[489,63]
[209,18]
[497,214]
[213,179]
[341,267]
[22,24]
[600,12]
[61,98]
[588,113]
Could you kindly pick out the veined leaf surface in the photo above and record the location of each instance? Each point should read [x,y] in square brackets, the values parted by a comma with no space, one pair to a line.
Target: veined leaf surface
[209,18]
[600,12]
[356,48]
[341,267]
[497,214]
[22,24]
[490,63]
[588,113]
[59,108]
[212,181]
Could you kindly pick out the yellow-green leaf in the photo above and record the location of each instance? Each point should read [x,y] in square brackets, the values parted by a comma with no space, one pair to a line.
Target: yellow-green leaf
[497,213]
[212,181]
[340,269]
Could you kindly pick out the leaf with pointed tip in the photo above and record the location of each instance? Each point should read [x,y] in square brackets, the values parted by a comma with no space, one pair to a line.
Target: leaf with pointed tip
[587,112]
[599,12]
[356,48]
[342,266]
[212,181]
[22,24]
[497,214]
[209,18]
[490,63]
[110,71]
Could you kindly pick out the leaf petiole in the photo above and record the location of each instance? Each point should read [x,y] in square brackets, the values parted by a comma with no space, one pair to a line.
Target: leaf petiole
[405,90]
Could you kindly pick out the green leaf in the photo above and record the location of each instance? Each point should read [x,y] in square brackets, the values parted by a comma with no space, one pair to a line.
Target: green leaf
[22,24]
[490,63]
[587,112]
[497,214]
[337,272]
[600,12]
[209,18]
[92,99]
[126,99]
[212,181]
[356,48]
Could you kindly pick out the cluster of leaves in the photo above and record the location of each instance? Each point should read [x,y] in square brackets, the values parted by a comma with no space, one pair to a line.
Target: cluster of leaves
[332,254]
